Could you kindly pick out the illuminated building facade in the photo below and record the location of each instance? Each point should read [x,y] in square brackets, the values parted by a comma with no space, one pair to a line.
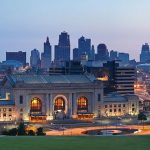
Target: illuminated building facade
[117,105]
[38,98]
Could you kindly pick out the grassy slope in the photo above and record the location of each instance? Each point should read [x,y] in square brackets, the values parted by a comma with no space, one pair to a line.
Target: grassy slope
[75,143]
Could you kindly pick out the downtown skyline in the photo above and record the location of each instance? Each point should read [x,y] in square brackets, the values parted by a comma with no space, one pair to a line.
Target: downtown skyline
[122,26]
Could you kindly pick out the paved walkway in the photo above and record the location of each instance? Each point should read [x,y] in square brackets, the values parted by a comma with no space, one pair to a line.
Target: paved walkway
[78,131]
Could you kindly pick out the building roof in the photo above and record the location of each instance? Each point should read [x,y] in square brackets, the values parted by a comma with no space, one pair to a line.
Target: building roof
[115,97]
[6,102]
[39,79]
[147,100]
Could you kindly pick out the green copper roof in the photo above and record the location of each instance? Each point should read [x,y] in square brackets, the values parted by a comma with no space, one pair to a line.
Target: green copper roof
[37,79]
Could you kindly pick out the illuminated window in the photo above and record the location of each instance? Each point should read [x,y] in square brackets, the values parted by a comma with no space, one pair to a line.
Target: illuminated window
[36,105]
[59,104]
[82,104]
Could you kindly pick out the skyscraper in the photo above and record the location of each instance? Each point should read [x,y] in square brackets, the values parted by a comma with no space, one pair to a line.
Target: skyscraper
[35,58]
[102,53]
[19,56]
[124,57]
[62,50]
[113,55]
[145,53]
[84,48]
[46,55]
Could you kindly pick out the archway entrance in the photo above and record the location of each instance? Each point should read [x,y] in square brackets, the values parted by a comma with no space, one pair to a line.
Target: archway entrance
[36,110]
[59,108]
[82,104]
[82,108]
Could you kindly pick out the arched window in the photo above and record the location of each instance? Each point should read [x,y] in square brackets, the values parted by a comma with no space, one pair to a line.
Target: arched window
[82,104]
[36,105]
[59,104]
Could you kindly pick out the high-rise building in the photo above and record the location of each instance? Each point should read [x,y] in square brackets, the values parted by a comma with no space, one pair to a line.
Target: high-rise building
[121,79]
[113,55]
[76,54]
[123,57]
[62,50]
[124,80]
[19,56]
[46,56]
[84,48]
[102,53]
[35,58]
[145,53]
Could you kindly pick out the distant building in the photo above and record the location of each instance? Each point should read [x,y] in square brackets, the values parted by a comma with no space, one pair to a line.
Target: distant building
[19,56]
[123,57]
[113,55]
[62,50]
[145,53]
[46,56]
[70,67]
[102,53]
[84,48]
[35,58]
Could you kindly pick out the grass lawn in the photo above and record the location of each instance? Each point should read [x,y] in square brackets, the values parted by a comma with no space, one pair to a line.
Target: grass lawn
[76,143]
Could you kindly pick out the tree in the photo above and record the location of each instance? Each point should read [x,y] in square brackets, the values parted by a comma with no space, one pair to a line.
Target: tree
[31,132]
[13,132]
[40,131]
[142,117]
[21,129]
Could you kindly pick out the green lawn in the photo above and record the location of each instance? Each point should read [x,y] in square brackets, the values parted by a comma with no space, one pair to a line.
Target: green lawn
[75,143]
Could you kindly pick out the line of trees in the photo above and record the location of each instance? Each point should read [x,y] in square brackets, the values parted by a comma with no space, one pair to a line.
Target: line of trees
[21,131]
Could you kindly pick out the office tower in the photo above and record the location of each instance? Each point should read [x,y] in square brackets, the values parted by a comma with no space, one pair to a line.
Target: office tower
[121,79]
[84,48]
[145,53]
[124,80]
[18,56]
[113,55]
[102,53]
[62,50]
[35,58]
[46,56]
[76,54]
[123,57]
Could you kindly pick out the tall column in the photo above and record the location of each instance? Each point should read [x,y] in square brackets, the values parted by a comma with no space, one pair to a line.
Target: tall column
[70,105]
[47,104]
[74,105]
[51,106]
[27,106]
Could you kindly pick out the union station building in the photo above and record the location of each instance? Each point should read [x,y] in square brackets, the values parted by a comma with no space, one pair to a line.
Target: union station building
[38,98]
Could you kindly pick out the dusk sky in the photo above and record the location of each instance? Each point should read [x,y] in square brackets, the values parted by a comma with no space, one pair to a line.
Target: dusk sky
[123,25]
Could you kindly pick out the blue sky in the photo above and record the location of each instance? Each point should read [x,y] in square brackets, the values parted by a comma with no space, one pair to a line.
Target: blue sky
[124,25]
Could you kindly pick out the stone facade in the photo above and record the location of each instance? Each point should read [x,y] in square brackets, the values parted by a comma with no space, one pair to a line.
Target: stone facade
[46,98]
